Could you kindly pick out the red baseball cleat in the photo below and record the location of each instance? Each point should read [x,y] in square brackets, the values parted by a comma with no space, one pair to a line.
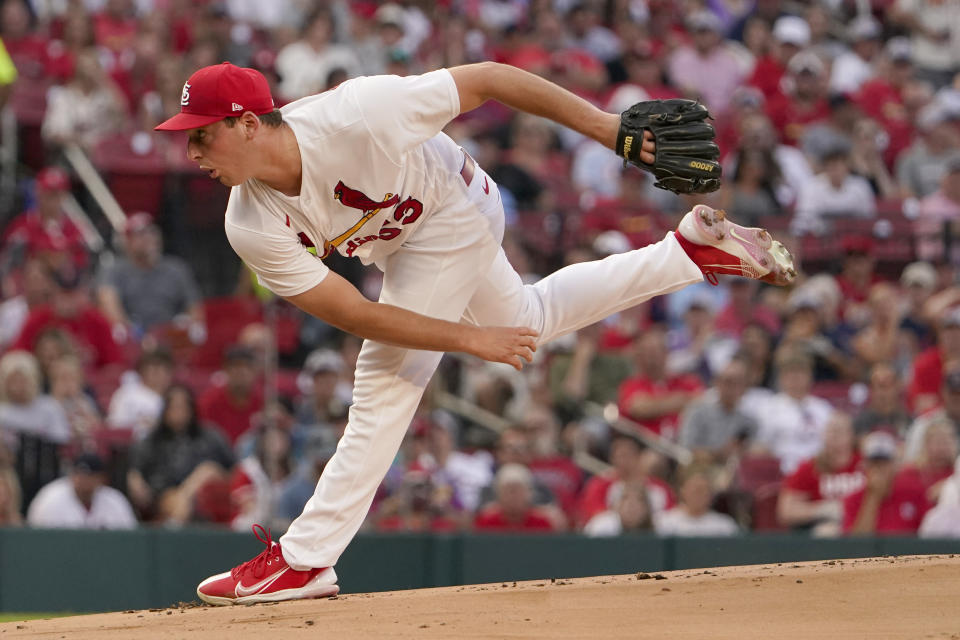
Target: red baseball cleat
[720,246]
[267,578]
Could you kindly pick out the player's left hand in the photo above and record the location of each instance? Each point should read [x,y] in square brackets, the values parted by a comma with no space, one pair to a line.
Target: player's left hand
[509,345]
[683,152]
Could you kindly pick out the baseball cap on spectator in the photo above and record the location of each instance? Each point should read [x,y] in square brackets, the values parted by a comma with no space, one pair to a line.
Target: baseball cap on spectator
[879,445]
[919,274]
[864,28]
[745,97]
[323,361]
[513,474]
[626,96]
[611,242]
[53,179]
[802,299]
[88,463]
[390,14]
[217,92]
[792,30]
[704,21]
[861,245]
[137,222]
[899,49]
[806,62]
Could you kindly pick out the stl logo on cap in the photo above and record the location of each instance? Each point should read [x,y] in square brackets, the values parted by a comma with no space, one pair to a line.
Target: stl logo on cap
[185,96]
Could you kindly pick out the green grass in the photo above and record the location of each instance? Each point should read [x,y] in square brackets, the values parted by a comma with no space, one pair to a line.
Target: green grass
[17,617]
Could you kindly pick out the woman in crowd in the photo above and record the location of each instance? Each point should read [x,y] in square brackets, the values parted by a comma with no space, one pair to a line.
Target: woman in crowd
[176,460]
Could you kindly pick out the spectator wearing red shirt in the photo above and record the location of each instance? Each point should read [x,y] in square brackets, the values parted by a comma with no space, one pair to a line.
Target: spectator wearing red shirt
[645,69]
[805,103]
[891,502]
[549,466]
[653,397]
[419,505]
[231,406]
[856,278]
[791,34]
[513,510]
[25,44]
[927,377]
[743,310]
[882,97]
[45,232]
[71,311]
[628,465]
[812,497]
[115,28]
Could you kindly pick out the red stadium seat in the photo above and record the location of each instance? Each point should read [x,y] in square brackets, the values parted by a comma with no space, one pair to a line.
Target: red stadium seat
[135,176]
[29,103]
[226,318]
[755,472]
[212,502]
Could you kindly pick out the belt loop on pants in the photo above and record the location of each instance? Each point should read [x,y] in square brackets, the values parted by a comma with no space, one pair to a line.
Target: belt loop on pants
[469,167]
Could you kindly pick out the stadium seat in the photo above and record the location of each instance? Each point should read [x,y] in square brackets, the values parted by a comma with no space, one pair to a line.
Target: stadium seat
[226,317]
[134,174]
[29,103]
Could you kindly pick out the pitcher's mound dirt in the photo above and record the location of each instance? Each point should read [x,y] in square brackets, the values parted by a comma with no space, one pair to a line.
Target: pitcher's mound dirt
[911,597]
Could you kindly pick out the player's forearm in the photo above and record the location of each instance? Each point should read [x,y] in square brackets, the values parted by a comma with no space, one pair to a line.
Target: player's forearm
[527,92]
[402,328]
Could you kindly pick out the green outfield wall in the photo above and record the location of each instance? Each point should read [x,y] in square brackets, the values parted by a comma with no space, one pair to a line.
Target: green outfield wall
[56,570]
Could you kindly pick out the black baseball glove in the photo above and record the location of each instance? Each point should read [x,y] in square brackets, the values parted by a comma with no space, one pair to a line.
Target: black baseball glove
[686,154]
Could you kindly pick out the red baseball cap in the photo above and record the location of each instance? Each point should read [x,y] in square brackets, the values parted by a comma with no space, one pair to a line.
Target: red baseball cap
[217,92]
[53,179]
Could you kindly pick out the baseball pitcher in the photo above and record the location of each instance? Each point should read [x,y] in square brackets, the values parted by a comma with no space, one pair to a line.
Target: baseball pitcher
[365,170]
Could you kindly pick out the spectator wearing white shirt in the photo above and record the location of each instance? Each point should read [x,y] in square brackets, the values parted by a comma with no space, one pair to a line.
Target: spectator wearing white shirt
[24,410]
[693,516]
[81,500]
[138,402]
[943,521]
[630,512]
[854,67]
[706,70]
[833,193]
[305,65]
[792,421]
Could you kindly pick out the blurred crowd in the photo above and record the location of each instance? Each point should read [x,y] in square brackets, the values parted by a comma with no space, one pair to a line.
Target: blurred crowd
[133,390]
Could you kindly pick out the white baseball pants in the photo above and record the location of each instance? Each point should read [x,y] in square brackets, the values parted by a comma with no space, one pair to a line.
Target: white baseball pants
[453,268]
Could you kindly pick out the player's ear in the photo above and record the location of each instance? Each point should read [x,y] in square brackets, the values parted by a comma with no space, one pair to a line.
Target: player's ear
[250,123]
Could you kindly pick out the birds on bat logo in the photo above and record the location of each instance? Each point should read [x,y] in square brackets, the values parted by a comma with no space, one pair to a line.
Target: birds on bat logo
[404,213]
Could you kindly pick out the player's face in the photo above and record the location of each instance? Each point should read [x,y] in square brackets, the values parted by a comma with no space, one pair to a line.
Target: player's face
[216,149]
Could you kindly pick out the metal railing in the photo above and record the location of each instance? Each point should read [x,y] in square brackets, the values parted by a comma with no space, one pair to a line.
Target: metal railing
[8,160]
[95,185]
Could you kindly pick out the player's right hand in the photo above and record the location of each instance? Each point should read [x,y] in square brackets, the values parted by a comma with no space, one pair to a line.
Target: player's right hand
[509,345]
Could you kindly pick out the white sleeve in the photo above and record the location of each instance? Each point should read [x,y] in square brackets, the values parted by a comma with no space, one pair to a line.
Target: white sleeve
[281,262]
[402,112]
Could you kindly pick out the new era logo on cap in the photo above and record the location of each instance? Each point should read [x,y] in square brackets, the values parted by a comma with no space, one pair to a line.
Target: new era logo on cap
[217,92]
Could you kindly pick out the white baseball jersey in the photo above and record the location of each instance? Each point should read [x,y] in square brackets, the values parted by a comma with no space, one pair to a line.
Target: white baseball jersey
[375,167]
